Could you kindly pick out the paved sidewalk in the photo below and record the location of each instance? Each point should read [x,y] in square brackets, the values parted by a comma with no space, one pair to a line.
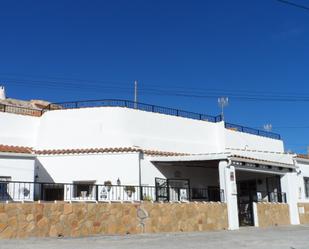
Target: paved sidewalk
[288,237]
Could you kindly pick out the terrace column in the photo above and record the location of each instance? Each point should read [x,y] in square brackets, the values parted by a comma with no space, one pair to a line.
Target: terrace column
[290,187]
[227,178]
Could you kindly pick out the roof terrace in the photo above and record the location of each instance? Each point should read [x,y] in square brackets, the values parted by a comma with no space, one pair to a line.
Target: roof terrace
[159,109]
[137,106]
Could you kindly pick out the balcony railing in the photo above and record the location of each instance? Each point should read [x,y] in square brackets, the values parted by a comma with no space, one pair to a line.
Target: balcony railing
[134,105]
[252,131]
[263,196]
[20,110]
[81,192]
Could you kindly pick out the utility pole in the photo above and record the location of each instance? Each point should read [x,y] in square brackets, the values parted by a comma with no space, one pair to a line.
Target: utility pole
[135,94]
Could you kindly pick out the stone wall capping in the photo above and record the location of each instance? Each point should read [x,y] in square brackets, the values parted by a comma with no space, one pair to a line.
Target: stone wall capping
[103,201]
[128,201]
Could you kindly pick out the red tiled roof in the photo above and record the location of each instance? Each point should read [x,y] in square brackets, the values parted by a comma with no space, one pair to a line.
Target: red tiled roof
[303,156]
[15,149]
[107,150]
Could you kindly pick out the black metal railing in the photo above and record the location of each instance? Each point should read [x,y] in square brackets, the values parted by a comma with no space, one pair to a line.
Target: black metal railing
[20,110]
[34,191]
[252,131]
[263,196]
[133,105]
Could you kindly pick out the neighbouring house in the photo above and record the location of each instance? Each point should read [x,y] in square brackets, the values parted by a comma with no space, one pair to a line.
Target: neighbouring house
[118,150]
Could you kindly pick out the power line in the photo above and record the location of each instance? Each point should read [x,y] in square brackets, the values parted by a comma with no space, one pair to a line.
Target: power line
[150,86]
[294,4]
[160,91]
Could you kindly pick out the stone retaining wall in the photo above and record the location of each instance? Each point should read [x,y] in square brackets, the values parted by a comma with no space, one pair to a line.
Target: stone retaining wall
[21,220]
[272,214]
[303,210]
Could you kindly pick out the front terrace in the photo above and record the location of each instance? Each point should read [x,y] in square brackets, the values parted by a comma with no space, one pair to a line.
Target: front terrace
[85,191]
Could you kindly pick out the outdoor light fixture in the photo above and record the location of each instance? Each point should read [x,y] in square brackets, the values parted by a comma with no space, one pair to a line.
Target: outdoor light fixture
[118,181]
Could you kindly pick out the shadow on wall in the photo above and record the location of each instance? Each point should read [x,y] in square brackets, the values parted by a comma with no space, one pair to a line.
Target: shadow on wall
[40,173]
[201,174]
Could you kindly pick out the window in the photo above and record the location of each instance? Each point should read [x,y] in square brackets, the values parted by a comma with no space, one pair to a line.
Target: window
[84,189]
[306,181]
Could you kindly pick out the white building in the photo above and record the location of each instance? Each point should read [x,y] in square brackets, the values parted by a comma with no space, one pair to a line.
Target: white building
[302,163]
[166,154]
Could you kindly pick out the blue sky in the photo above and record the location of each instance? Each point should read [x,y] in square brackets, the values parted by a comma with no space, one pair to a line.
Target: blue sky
[73,50]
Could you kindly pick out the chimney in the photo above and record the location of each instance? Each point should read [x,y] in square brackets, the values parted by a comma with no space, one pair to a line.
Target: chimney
[2,93]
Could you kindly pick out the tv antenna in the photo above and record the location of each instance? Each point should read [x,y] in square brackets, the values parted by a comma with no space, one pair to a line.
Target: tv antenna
[135,94]
[268,127]
[223,102]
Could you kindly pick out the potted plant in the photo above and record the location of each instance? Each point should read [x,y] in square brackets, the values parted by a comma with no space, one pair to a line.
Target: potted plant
[147,198]
[108,185]
[129,190]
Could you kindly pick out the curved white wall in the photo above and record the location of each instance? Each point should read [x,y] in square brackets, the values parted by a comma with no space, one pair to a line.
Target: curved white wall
[121,127]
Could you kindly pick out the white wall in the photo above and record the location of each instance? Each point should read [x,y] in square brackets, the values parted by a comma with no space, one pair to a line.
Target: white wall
[199,177]
[18,130]
[120,127]
[289,186]
[95,167]
[17,167]
[240,140]
[304,172]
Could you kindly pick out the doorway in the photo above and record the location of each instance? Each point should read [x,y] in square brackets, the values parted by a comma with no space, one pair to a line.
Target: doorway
[246,190]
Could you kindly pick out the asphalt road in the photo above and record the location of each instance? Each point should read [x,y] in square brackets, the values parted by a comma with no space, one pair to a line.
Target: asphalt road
[290,237]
